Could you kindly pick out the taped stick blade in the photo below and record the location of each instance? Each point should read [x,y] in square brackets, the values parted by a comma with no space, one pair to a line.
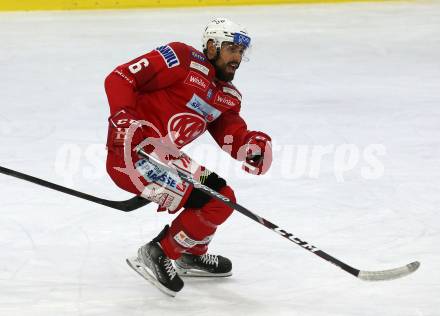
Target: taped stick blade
[390,274]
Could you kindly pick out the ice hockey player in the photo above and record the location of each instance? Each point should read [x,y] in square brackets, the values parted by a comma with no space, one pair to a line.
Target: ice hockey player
[160,102]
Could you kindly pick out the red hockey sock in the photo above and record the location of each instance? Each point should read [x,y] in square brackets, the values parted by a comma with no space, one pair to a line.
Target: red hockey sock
[193,229]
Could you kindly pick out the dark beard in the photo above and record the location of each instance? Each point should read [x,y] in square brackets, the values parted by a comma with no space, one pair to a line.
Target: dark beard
[219,73]
[222,76]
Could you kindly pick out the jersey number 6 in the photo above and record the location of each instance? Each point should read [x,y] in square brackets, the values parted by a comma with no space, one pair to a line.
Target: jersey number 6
[137,66]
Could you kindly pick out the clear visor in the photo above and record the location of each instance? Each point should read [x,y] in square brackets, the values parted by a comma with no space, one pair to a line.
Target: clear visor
[241,45]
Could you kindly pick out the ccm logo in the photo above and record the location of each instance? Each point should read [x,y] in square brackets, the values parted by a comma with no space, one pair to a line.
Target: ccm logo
[296,240]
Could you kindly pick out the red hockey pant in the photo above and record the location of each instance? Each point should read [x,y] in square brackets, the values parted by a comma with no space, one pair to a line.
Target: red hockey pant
[193,229]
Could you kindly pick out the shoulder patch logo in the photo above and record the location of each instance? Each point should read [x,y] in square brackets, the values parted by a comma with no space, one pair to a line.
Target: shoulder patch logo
[169,56]
[232,92]
[198,56]
[199,67]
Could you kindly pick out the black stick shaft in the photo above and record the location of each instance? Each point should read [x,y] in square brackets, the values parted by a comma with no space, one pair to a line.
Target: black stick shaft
[304,244]
[272,226]
[126,206]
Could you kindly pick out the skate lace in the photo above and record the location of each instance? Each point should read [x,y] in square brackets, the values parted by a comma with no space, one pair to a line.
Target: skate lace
[210,259]
[169,268]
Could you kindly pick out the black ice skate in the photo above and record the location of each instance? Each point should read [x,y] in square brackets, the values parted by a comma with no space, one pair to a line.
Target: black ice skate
[156,267]
[206,265]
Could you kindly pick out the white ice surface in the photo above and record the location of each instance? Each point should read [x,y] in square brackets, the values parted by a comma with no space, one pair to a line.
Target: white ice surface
[320,75]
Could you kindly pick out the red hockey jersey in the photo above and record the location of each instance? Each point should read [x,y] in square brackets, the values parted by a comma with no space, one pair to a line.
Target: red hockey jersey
[173,87]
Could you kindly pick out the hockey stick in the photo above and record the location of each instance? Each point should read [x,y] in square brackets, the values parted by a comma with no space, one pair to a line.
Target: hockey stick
[363,275]
[125,206]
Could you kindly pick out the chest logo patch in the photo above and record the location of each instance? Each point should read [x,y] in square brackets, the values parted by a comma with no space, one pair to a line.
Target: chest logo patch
[195,80]
[185,127]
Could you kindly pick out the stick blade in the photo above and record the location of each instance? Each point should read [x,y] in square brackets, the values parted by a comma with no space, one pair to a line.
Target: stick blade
[391,274]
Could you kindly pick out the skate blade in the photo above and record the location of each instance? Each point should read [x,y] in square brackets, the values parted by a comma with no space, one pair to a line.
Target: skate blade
[146,273]
[199,273]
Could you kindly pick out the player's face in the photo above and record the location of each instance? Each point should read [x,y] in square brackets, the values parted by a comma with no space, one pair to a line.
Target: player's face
[229,60]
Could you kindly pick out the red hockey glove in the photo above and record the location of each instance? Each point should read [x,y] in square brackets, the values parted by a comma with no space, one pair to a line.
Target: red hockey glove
[258,153]
[119,135]
[126,133]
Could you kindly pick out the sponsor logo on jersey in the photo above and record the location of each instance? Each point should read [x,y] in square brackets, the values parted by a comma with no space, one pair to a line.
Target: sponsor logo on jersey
[208,112]
[154,174]
[185,127]
[198,56]
[187,242]
[195,80]
[224,100]
[165,200]
[232,92]
[199,67]
[169,56]
[120,73]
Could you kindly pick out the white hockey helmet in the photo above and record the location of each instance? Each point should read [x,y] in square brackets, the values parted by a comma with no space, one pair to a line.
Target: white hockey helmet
[223,30]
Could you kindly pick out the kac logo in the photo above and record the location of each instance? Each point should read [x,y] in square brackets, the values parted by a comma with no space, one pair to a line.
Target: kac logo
[185,127]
